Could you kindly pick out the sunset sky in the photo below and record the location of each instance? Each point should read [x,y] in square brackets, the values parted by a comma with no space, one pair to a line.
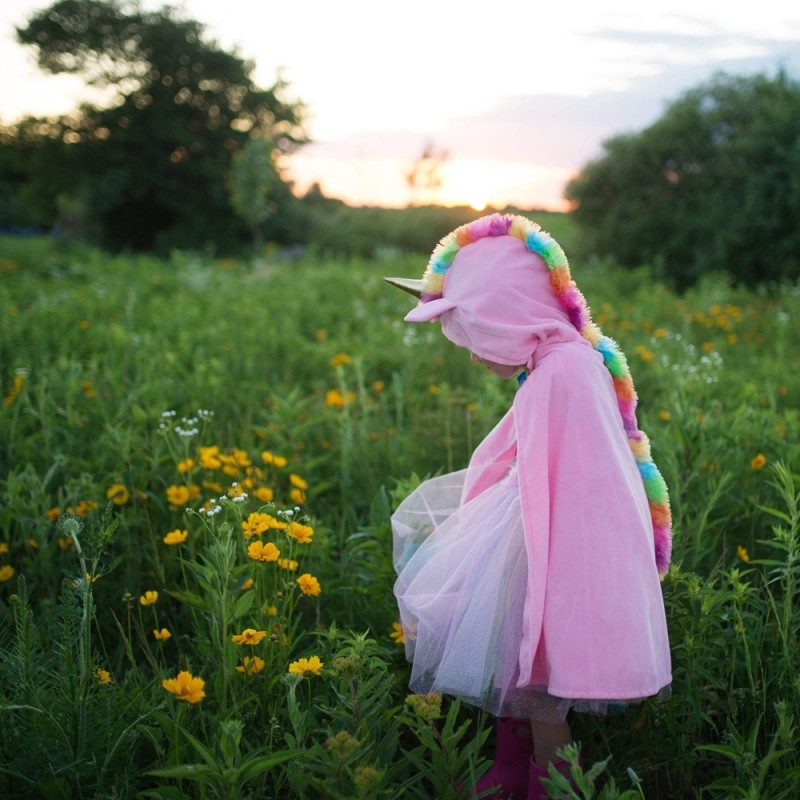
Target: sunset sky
[520,94]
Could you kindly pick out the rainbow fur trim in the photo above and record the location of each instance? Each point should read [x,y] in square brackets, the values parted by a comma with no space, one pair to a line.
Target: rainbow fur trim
[574,303]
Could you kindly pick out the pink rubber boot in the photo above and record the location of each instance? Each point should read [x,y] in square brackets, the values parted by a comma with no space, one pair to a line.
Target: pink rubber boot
[513,751]
[535,789]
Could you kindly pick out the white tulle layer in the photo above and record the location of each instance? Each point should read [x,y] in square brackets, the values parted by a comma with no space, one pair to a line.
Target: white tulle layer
[462,577]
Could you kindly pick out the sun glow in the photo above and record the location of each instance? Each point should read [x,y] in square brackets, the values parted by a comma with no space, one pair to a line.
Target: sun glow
[482,183]
[379,180]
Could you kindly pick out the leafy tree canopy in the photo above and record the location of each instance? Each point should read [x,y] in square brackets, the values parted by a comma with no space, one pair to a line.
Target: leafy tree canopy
[713,185]
[150,169]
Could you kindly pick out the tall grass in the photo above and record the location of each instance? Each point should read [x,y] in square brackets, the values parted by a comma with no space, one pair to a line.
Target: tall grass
[144,398]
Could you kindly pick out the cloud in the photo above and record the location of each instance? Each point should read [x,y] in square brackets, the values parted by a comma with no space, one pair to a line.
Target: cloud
[566,131]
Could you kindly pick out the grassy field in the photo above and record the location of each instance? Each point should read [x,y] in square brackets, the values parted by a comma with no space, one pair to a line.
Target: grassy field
[198,461]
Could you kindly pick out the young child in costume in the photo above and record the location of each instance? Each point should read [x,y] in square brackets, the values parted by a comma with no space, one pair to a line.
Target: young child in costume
[528,583]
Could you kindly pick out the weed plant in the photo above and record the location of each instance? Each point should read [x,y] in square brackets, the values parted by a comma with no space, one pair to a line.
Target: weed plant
[198,461]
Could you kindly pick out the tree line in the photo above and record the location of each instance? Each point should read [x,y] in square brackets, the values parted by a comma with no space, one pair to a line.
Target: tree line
[713,185]
[150,170]
[188,153]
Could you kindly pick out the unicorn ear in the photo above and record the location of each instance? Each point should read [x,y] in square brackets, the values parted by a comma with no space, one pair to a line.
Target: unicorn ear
[410,285]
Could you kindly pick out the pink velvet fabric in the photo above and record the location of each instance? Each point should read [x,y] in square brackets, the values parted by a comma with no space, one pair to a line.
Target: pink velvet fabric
[589,627]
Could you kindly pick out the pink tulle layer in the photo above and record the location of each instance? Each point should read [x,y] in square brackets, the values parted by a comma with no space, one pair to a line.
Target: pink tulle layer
[461,588]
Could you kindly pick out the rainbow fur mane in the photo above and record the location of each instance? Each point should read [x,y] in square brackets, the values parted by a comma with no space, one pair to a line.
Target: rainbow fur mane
[574,303]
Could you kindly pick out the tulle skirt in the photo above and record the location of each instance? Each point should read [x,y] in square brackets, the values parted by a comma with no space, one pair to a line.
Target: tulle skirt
[461,588]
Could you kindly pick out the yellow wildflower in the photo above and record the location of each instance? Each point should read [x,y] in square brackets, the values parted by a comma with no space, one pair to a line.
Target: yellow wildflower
[743,554]
[340,359]
[20,376]
[707,347]
[185,687]
[248,584]
[334,398]
[320,334]
[660,333]
[87,387]
[65,542]
[297,481]
[3,548]
[249,636]
[84,507]
[53,513]
[118,494]
[288,564]
[301,533]
[240,458]
[297,496]
[213,486]
[256,524]
[6,572]
[235,490]
[187,465]
[209,457]
[149,598]
[271,611]
[162,635]
[267,457]
[259,551]
[759,461]
[397,633]
[251,665]
[304,666]
[377,387]
[176,537]
[102,675]
[643,352]
[309,585]
[178,495]
[264,494]
[664,415]
[279,462]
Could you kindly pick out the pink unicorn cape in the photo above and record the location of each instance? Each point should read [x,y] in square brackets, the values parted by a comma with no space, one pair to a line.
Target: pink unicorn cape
[527,583]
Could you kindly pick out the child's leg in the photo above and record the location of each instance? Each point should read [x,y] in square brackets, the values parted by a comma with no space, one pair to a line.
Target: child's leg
[547,738]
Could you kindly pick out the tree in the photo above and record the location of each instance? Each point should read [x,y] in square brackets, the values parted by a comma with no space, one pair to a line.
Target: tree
[251,183]
[425,174]
[151,167]
[714,184]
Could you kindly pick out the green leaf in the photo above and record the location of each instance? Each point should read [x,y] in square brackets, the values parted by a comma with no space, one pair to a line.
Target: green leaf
[243,604]
[192,772]
[775,513]
[206,754]
[189,598]
[254,764]
[165,793]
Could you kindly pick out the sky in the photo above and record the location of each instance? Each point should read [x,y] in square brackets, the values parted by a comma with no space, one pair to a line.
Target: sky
[519,95]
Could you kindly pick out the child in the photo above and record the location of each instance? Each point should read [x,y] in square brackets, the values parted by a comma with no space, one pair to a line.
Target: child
[528,583]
